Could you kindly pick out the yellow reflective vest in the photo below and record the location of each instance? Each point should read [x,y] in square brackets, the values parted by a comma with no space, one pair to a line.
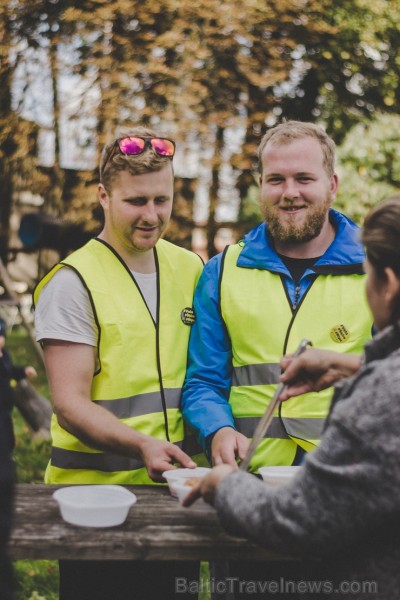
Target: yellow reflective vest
[333,314]
[141,364]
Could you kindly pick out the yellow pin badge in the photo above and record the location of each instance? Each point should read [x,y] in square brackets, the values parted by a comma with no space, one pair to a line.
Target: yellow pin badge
[339,333]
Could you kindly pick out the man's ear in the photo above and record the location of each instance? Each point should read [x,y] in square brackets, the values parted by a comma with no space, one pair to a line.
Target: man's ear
[102,195]
[334,184]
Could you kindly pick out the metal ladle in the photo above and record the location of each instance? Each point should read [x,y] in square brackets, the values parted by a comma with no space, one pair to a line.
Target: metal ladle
[266,419]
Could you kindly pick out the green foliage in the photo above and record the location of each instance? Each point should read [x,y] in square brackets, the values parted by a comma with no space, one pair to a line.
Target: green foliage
[36,580]
[21,349]
[31,456]
[249,213]
[204,579]
[349,74]
[369,165]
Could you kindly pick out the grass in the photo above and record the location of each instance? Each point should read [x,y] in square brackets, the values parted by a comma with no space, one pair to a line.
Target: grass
[38,580]
[35,580]
[31,455]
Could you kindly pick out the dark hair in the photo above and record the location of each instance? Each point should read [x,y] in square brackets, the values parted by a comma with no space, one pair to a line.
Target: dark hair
[146,162]
[289,131]
[381,237]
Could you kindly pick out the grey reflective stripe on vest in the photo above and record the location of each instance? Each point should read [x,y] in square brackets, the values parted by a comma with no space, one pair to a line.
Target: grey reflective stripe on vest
[247,426]
[308,429]
[260,374]
[141,404]
[104,461]
[68,459]
[305,429]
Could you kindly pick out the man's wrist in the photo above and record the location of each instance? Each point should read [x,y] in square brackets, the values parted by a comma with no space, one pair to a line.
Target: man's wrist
[209,440]
[348,364]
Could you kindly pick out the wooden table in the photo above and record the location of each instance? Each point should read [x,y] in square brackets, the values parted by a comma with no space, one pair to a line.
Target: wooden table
[157,528]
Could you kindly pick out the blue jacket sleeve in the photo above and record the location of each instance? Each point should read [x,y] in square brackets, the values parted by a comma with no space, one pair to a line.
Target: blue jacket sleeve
[208,378]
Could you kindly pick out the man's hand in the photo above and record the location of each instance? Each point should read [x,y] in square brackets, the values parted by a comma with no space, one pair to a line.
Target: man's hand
[207,485]
[227,446]
[315,370]
[159,456]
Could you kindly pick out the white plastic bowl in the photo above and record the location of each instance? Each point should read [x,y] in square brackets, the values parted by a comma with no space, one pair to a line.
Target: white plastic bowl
[175,476]
[278,475]
[94,505]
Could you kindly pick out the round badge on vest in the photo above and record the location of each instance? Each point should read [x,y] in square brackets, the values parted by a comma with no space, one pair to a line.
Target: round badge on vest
[339,333]
[187,316]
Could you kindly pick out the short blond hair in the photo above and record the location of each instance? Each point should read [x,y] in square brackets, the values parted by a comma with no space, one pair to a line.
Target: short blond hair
[288,131]
[146,162]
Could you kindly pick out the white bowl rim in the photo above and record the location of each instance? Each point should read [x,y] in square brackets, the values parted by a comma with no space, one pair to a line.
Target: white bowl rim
[69,496]
[186,473]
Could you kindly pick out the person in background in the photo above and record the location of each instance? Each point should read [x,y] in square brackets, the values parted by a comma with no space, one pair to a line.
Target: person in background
[114,320]
[8,373]
[342,509]
[7,479]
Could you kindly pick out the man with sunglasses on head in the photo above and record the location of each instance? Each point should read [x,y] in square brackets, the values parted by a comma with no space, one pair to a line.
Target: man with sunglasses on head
[113,318]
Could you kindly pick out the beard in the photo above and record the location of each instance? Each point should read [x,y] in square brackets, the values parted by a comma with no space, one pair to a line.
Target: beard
[292,232]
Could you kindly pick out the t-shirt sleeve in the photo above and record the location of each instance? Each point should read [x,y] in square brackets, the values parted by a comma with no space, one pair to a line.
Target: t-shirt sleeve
[64,311]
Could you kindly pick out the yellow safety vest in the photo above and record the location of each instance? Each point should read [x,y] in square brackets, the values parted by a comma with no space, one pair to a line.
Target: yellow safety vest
[141,364]
[333,314]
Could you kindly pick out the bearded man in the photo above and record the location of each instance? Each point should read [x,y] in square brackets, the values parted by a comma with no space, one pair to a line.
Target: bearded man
[297,275]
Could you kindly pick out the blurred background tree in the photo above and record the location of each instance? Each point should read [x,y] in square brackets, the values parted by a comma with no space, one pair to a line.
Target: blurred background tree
[213,75]
[369,165]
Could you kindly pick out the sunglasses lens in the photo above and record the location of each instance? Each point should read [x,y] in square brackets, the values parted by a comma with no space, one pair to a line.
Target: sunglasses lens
[135,145]
[131,145]
[163,146]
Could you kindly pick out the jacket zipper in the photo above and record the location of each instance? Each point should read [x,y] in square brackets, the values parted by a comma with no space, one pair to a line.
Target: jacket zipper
[296,297]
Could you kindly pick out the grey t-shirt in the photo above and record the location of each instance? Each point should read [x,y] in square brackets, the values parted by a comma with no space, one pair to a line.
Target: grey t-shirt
[64,311]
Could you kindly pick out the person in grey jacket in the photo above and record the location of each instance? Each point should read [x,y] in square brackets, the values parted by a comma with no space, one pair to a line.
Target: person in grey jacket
[342,511]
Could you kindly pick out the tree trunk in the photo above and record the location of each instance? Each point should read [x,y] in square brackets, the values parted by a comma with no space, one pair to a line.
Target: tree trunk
[35,409]
[214,189]
[255,129]
[54,200]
